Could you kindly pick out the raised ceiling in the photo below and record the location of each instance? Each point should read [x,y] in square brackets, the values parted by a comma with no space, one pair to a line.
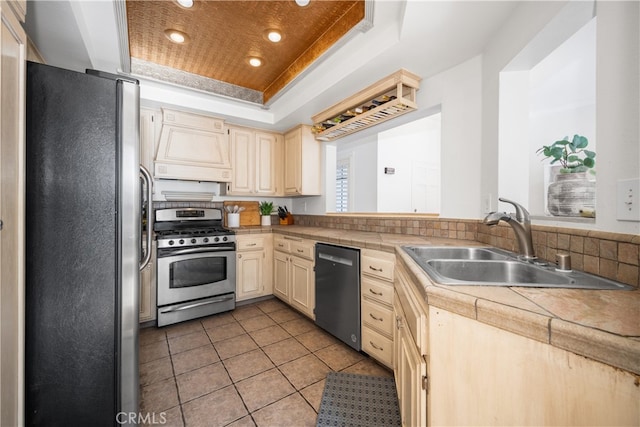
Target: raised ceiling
[224,34]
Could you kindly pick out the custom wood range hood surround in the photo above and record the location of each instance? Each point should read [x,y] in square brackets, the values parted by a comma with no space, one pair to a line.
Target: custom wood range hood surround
[192,147]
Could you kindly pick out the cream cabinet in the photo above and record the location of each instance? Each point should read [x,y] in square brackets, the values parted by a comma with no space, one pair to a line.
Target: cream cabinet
[376,304]
[301,162]
[150,122]
[256,159]
[294,276]
[12,165]
[148,288]
[253,265]
[192,147]
[410,351]
[501,378]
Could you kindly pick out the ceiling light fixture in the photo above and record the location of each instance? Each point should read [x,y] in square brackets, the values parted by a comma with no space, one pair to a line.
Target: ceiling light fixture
[185,3]
[274,36]
[177,36]
[302,3]
[254,61]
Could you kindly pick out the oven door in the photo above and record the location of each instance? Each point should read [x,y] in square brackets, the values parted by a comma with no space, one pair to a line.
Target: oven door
[193,273]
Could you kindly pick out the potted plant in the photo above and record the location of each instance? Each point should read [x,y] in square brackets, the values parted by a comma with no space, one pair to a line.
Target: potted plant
[265,212]
[571,193]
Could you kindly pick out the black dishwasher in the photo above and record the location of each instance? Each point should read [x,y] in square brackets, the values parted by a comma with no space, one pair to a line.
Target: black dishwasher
[338,292]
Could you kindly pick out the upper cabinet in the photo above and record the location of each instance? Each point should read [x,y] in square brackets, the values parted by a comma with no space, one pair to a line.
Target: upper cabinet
[388,98]
[256,159]
[192,147]
[301,163]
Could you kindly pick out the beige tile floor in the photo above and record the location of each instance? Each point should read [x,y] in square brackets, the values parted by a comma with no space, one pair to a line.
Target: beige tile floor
[262,364]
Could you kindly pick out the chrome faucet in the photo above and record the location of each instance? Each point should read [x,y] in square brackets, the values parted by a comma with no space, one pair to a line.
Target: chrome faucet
[521,225]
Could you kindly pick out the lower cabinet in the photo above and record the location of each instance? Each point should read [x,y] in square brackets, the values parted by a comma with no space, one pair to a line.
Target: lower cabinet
[148,289]
[253,265]
[293,273]
[410,351]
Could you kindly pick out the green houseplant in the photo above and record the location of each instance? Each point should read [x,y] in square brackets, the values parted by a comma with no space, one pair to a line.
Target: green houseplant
[572,155]
[265,211]
[571,193]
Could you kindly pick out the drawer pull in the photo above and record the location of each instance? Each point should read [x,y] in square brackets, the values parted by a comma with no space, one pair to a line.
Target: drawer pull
[375,293]
[379,270]
[300,250]
[375,346]
[375,318]
[251,244]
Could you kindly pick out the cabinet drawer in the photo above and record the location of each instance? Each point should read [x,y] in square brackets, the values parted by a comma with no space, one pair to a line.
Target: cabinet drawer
[302,249]
[250,243]
[378,317]
[378,264]
[377,346]
[377,290]
[280,244]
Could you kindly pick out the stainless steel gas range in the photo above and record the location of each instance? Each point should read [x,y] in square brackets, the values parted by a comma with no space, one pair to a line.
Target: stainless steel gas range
[196,268]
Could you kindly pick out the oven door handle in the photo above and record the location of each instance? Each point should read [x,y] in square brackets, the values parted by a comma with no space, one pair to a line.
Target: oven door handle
[197,304]
[197,251]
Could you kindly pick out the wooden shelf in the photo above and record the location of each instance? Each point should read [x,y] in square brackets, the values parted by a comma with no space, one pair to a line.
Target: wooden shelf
[388,98]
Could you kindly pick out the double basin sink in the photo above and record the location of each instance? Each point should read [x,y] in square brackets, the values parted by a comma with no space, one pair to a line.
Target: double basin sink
[450,265]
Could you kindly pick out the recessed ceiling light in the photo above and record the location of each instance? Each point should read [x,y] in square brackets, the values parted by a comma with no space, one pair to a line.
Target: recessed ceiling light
[302,3]
[185,3]
[176,36]
[274,36]
[254,61]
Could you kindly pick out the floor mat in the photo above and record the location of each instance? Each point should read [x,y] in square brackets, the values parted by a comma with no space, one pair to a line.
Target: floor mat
[358,400]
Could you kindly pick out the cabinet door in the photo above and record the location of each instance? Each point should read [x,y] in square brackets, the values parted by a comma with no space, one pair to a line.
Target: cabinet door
[249,276]
[242,160]
[266,152]
[302,285]
[281,275]
[148,136]
[293,161]
[148,289]
[412,369]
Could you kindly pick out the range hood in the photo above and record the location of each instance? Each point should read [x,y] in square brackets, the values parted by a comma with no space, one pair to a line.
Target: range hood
[192,147]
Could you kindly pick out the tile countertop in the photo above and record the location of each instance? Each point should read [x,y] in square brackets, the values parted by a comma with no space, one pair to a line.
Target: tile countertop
[600,325]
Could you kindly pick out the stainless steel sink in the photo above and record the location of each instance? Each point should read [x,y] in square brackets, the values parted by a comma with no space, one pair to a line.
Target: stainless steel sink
[490,266]
[427,253]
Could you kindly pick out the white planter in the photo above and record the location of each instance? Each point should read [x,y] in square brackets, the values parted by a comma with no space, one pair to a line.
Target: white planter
[265,220]
[571,193]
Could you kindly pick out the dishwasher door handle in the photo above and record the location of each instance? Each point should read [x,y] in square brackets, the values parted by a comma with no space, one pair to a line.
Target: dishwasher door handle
[336,259]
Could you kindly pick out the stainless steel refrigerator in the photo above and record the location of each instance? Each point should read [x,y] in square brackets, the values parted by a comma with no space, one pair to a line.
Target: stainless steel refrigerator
[83,247]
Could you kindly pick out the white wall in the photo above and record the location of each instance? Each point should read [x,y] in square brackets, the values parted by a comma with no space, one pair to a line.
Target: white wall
[617,121]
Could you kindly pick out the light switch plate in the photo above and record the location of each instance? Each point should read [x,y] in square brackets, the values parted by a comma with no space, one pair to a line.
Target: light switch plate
[628,200]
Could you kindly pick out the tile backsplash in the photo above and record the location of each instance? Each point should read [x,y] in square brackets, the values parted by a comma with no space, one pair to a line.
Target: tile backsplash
[615,256]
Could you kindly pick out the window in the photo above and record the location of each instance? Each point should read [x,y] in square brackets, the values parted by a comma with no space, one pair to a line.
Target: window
[342,185]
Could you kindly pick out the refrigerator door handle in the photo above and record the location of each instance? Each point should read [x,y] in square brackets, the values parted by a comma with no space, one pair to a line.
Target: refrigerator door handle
[146,176]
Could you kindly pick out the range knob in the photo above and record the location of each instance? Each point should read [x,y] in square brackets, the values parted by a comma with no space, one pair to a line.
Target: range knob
[205,240]
[171,242]
[216,239]
[193,241]
[224,239]
[181,241]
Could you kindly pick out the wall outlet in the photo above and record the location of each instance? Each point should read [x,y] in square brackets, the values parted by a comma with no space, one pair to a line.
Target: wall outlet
[628,200]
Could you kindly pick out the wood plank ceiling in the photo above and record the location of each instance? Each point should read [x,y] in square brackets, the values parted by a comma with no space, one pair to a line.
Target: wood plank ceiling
[223,34]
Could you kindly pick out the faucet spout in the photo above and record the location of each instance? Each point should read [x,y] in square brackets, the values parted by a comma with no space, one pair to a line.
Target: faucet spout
[521,225]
